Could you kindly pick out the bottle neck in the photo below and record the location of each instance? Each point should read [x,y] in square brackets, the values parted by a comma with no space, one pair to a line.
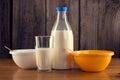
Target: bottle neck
[61,21]
[61,15]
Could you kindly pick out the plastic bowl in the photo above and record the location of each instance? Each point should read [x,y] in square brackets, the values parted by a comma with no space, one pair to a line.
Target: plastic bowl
[92,60]
[24,58]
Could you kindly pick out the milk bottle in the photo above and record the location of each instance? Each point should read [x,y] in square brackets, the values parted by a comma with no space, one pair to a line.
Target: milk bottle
[63,40]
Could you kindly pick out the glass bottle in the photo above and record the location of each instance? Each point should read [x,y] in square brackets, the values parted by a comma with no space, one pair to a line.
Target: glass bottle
[63,40]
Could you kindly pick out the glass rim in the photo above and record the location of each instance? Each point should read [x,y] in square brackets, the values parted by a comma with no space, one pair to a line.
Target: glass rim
[44,36]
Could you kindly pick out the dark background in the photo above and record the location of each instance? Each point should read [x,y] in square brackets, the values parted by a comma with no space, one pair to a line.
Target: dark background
[95,23]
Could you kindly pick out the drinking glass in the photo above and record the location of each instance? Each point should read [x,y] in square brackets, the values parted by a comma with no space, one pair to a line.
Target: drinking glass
[43,51]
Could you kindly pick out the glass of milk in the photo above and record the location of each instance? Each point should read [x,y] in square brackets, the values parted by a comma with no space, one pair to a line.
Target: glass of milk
[43,50]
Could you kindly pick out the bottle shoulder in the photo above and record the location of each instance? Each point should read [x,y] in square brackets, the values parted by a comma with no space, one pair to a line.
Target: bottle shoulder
[61,25]
[62,32]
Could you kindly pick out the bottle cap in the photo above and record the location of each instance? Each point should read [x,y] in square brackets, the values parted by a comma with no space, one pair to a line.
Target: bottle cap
[61,8]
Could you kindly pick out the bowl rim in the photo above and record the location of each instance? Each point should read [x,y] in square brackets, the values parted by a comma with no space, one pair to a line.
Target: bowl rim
[97,53]
[21,51]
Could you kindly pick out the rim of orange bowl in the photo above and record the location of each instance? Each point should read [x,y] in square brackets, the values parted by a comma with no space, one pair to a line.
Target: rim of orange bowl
[96,52]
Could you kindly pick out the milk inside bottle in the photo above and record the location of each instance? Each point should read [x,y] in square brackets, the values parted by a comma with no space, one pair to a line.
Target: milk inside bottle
[63,40]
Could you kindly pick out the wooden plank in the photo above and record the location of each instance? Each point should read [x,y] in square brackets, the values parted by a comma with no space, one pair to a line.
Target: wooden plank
[4,27]
[100,25]
[28,21]
[10,71]
[72,15]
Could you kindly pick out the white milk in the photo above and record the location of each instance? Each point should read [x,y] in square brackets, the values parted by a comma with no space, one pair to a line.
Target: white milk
[63,42]
[43,58]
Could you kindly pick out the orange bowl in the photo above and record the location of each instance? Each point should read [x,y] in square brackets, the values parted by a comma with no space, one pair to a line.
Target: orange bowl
[92,60]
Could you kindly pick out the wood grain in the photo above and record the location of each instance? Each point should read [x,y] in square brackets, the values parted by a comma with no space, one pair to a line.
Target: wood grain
[95,23]
[100,25]
[28,21]
[72,14]
[4,27]
[15,73]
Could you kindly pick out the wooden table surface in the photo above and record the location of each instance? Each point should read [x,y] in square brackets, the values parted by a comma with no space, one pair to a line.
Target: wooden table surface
[9,71]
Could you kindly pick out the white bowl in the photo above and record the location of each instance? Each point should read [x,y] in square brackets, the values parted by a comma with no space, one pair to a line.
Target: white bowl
[24,58]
